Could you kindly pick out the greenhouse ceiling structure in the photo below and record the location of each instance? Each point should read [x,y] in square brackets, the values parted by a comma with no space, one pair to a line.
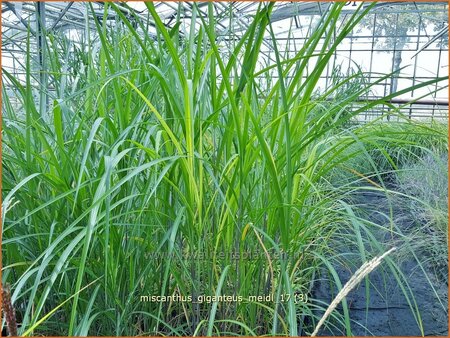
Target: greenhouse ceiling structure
[409,39]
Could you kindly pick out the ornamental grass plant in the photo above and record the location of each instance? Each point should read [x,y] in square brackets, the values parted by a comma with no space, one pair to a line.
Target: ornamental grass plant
[144,149]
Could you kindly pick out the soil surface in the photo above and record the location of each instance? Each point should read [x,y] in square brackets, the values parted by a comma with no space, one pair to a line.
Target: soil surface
[387,313]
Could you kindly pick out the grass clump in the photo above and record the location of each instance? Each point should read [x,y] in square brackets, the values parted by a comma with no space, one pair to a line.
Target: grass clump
[424,184]
[158,148]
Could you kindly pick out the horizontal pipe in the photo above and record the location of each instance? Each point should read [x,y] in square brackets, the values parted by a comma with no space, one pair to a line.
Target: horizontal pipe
[408,101]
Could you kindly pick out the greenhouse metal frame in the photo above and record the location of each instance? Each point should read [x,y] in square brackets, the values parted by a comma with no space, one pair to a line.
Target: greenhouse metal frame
[63,16]
[235,168]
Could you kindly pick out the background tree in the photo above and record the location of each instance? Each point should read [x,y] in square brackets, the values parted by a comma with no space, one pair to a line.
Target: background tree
[395,26]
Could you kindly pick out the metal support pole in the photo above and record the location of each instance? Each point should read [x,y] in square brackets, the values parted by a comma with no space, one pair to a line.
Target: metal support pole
[415,65]
[41,50]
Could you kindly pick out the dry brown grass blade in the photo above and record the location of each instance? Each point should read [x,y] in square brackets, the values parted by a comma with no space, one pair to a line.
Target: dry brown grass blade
[9,312]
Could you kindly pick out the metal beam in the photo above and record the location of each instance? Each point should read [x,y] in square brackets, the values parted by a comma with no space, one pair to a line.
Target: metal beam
[61,15]
[12,8]
[316,8]
[41,49]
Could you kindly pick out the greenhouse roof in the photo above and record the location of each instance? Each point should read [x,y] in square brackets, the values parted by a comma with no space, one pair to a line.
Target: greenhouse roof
[67,15]
[412,35]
